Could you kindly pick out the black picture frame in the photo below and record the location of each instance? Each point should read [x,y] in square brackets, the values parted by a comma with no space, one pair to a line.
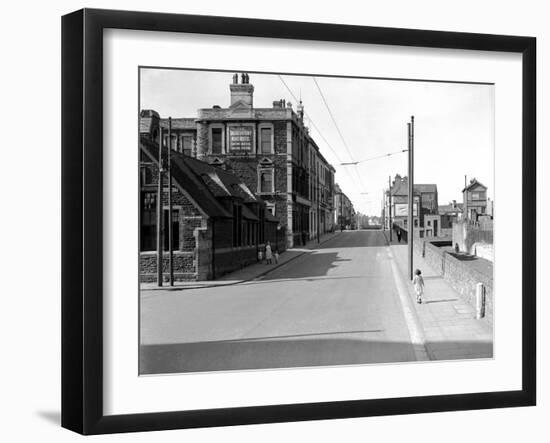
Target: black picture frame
[82,215]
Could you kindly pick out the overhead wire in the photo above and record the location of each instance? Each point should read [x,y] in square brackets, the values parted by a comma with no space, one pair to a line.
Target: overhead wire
[338,130]
[317,129]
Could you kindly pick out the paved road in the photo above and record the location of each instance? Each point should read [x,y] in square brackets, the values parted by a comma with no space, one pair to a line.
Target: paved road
[334,305]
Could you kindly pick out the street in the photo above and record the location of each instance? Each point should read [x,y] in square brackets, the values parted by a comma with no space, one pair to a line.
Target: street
[337,304]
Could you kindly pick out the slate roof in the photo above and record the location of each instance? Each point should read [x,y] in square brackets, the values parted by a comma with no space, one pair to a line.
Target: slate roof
[189,181]
[402,187]
[206,183]
[179,123]
[425,188]
[444,209]
[473,182]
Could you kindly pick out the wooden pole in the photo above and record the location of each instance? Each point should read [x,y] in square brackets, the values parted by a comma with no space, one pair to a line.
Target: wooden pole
[159,214]
[170,233]
[389,207]
[410,233]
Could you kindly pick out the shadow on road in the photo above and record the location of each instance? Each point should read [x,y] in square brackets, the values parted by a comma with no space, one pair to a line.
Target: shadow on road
[356,239]
[298,351]
[316,264]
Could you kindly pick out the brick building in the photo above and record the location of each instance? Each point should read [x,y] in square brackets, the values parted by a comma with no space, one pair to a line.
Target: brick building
[450,214]
[218,224]
[271,151]
[474,198]
[426,217]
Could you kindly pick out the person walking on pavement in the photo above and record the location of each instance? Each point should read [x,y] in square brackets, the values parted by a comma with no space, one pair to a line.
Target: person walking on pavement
[268,254]
[399,235]
[418,283]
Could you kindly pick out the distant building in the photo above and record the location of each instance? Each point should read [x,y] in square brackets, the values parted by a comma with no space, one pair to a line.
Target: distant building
[450,214]
[344,213]
[425,206]
[271,151]
[474,197]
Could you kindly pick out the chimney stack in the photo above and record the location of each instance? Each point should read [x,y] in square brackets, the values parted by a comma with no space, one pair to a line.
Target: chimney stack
[242,93]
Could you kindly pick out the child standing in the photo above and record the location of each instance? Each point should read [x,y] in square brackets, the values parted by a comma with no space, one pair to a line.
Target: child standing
[418,283]
[268,254]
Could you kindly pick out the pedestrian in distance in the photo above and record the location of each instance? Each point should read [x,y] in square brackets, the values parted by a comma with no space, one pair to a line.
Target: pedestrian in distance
[399,236]
[276,256]
[418,283]
[268,254]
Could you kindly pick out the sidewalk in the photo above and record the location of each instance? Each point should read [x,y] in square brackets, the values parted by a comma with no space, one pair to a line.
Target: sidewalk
[447,324]
[247,273]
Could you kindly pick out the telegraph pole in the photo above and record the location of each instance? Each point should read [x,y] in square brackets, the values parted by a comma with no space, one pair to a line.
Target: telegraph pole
[159,214]
[389,208]
[318,209]
[170,233]
[411,196]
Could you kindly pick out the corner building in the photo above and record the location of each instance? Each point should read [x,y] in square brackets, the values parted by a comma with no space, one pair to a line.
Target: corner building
[270,150]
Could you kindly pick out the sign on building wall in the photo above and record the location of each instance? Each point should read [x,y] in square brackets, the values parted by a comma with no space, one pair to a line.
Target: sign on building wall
[240,138]
[402,209]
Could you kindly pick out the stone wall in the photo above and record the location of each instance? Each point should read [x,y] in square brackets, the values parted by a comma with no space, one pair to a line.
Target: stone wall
[230,259]
[462,277]
[184,268]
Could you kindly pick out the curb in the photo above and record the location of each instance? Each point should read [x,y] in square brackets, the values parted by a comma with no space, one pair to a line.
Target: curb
[237,282]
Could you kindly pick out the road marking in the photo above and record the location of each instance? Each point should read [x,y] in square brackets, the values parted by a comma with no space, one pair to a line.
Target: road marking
[413,325]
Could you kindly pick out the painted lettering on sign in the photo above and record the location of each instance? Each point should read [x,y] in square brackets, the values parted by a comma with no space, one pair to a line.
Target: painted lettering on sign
[240,138]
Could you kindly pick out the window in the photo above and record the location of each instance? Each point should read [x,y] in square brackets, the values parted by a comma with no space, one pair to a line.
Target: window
[173,139]
[266,180]
[148,234]
[416,223]
[265,140]
[146,175]
[175,230]
[216,140]
[429,222]
[237,222]
[187,144]
[475,195]
[271,208]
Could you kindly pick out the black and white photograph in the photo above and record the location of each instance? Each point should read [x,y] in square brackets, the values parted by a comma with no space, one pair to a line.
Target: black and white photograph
[301,220]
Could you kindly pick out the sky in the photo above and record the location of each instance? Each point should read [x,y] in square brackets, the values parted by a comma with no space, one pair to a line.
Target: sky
[454,124]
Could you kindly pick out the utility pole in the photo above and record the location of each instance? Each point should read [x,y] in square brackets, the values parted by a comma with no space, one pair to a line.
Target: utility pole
[410,229]
[390,227]
[170,233]
[318,210]
[159,214]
